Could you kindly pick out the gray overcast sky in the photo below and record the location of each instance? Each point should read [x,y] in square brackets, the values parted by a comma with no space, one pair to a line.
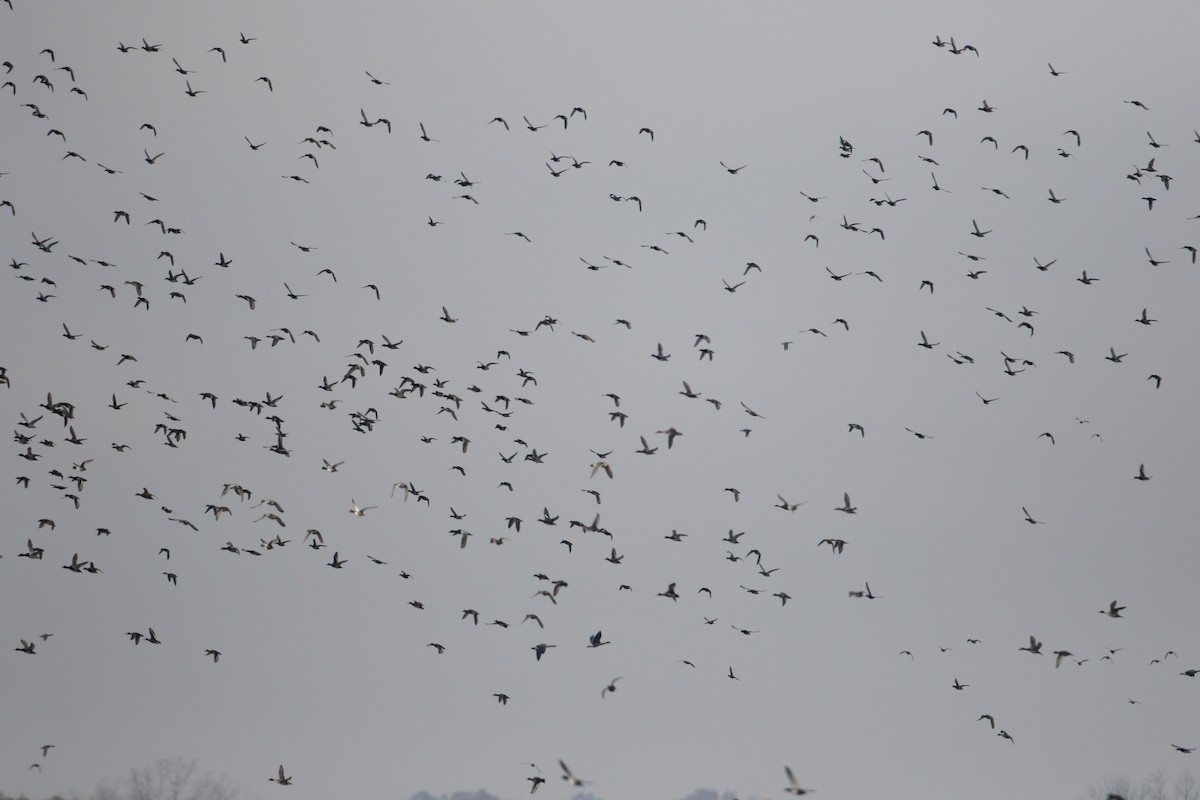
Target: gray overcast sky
[330,672]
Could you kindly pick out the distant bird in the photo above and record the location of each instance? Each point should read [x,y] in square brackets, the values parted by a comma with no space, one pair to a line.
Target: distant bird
[1034,647]
[1152,261]
[569,777]
[424,136]
[1113,610]
[282,780]
[358,512]
[670,433]
[836,545]
[793,786]
[787,506]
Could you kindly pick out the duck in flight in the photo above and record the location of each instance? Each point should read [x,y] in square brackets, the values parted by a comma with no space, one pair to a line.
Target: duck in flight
[793,786]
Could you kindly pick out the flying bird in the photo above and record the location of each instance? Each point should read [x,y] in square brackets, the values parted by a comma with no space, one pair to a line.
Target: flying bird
[356,511]
[793,786]
[569,777]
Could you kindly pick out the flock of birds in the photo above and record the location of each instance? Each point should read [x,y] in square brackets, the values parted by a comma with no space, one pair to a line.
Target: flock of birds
[473,409]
